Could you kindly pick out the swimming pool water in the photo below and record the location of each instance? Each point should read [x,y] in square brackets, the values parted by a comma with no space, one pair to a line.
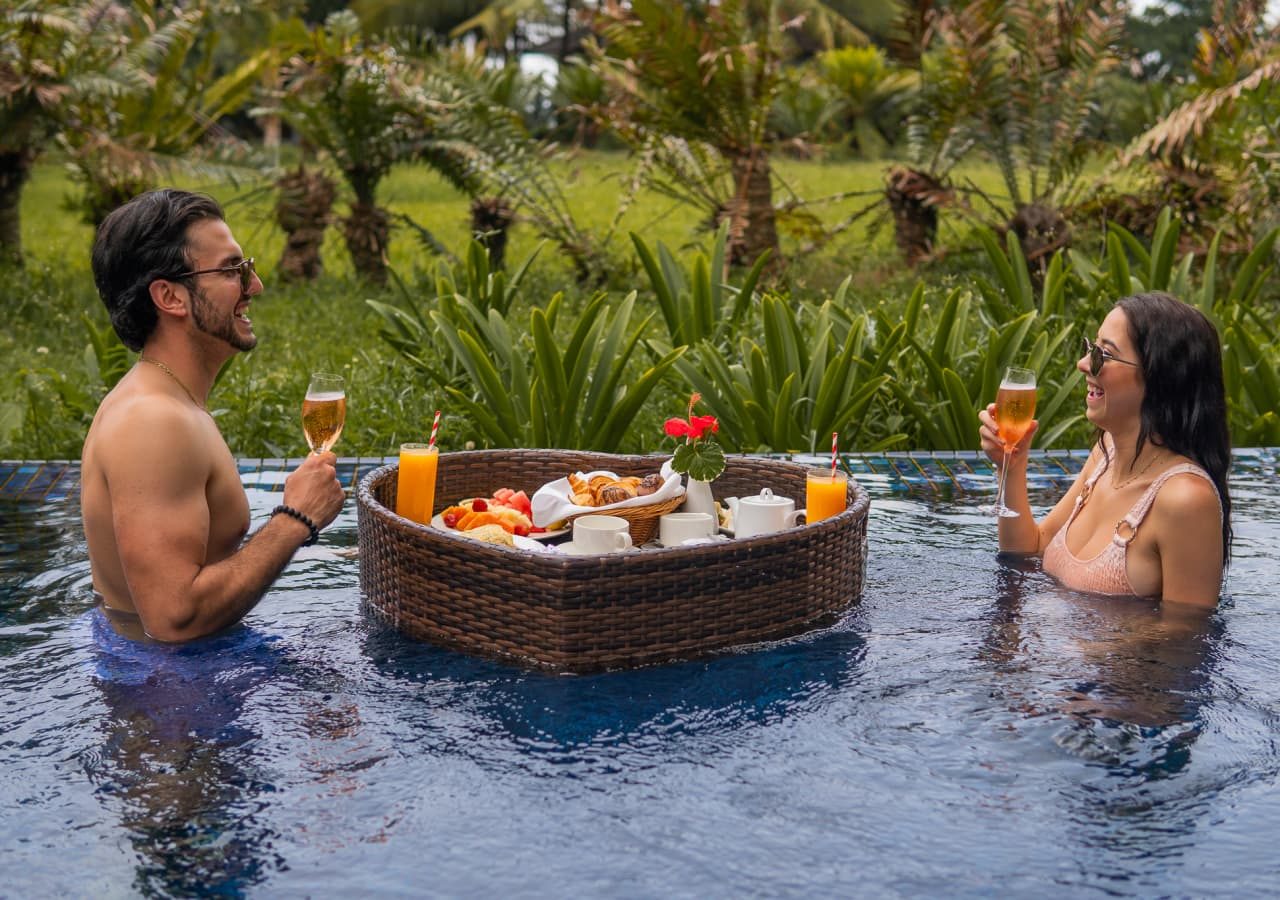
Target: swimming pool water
[968,729]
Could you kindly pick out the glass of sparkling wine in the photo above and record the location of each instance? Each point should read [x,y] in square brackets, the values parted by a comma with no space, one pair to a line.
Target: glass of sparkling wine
[1015,408]
[324,411]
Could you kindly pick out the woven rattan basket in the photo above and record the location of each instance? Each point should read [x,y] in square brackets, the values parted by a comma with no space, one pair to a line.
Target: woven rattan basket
[587,613]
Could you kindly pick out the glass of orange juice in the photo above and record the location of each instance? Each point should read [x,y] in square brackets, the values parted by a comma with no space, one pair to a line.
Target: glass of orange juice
[416,482]
[824,494]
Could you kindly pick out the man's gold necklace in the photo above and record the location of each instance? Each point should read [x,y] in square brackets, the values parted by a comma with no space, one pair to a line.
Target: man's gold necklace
[163,368]
[1133,478]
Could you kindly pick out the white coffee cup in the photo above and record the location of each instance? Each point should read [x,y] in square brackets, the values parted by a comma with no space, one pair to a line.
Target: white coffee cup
[763,513]
[677,527]
[601,534]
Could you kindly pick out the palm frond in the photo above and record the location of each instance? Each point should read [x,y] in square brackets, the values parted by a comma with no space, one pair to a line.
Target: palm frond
[1169,137]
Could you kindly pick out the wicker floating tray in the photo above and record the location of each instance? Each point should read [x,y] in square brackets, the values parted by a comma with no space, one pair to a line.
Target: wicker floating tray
[588,613]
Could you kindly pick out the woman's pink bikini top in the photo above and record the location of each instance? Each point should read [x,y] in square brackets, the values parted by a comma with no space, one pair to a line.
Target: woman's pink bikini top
[1108,572]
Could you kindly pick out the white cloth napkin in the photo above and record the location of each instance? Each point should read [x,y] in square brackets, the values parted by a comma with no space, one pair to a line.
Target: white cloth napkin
[551,502]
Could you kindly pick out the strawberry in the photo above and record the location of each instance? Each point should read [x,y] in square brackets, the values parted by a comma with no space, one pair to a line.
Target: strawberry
[479,505]
[450,520]
[521,530]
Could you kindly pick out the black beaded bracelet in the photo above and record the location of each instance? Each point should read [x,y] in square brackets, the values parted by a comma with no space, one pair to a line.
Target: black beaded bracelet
[304,519]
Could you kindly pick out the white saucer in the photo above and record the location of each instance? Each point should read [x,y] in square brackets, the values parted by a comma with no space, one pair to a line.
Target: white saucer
[571,549]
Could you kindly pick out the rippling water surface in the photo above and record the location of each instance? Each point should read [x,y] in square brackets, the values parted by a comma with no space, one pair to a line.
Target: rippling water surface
[969,729]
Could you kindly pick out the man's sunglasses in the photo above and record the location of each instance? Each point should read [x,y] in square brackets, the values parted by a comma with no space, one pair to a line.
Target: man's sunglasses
[1098,357]
[244,267]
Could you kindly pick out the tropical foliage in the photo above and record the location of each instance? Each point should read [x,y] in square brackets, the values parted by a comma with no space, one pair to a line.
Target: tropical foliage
[128,141]
[351,99]
[691,88]
[987,114]
[56,64]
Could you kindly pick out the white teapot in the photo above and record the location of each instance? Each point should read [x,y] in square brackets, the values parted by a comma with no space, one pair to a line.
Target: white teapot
[763,513]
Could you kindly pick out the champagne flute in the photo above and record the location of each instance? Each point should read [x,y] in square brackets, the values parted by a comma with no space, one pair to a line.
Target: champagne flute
[1015,407]
[324,411]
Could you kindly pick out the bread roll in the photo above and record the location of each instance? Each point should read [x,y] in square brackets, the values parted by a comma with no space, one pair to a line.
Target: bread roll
[614,493]
[650,484]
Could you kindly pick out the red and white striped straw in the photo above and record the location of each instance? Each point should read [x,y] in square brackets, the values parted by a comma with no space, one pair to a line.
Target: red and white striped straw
[435,427]
[834,435]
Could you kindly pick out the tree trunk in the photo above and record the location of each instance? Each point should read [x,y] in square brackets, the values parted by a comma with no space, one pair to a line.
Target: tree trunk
[367,231]
[567,24]
[303,210]
[753,227]
[15,169]
[914,197]
[490,219]
[1041,230]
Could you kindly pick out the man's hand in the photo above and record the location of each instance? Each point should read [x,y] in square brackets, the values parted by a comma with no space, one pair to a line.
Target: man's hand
[313,489]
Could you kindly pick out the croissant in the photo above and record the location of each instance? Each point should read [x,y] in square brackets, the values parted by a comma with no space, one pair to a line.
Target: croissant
[579,493]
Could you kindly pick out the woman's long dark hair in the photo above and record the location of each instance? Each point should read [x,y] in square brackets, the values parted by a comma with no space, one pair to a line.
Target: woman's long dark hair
[1184,407]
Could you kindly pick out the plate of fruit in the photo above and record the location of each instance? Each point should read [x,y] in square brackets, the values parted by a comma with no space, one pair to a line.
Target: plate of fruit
[507,509]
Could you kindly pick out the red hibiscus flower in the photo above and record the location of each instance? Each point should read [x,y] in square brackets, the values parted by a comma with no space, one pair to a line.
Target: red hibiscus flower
[695,427]
[699,456]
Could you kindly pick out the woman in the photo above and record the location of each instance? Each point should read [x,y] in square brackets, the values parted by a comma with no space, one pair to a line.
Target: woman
[1149,515]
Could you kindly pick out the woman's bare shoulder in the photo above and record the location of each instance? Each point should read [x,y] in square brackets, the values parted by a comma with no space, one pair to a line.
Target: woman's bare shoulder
[1187,496]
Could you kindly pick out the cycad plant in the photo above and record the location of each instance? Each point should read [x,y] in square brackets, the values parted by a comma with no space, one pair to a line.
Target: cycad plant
[958,71]
[349,99]
[1038,121]
[471,134]
[57,61]
[692,85]
[866,89]
[132,139]
[578,89]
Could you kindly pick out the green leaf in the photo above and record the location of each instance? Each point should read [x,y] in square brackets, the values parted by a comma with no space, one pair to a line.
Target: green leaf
[702,460]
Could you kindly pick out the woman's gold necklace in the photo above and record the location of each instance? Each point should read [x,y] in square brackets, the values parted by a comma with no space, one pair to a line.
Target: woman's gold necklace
[1133,478]
[163,368]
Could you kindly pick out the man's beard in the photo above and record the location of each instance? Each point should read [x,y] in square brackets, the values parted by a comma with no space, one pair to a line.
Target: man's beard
[204,314]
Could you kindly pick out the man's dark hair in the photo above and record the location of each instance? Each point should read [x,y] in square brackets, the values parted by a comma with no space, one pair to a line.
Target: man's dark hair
[143,240]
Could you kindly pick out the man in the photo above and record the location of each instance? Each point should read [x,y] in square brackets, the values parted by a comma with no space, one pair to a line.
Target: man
[164,511]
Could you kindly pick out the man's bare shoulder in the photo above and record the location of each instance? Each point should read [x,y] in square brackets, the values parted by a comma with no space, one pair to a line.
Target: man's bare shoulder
[137,430]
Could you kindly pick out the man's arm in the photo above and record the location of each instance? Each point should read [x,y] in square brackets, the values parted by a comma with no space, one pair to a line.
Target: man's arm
[161,518]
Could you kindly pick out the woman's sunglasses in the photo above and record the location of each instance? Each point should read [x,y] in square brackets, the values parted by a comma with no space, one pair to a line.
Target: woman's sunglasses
[245,267]
[1098,357]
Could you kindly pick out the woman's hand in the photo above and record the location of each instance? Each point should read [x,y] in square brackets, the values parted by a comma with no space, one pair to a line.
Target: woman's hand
[989,435]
